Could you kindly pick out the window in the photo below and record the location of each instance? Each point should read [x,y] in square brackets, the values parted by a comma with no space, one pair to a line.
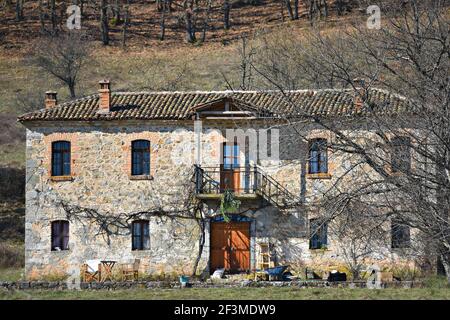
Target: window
[400,235]
[140,235]
[400,154]
[61,158]
[230,156]
[140,155]
[318,234]
[318,158]
[60,235]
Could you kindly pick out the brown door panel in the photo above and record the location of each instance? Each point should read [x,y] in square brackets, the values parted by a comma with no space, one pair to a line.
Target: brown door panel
[230,246]
[236,180]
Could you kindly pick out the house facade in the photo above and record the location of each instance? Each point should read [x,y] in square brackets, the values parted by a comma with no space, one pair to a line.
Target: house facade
[142,175]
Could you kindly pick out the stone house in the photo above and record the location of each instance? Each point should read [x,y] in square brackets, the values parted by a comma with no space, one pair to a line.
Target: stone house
[117,175]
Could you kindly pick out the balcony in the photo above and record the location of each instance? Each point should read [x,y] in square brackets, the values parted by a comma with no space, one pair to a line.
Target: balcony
[247,183]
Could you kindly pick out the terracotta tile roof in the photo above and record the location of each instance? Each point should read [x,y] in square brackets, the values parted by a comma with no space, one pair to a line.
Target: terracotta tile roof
[180,105]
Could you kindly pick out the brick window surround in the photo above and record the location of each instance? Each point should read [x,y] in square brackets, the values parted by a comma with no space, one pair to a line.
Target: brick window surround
[311,137]
[127,148]
[74,154]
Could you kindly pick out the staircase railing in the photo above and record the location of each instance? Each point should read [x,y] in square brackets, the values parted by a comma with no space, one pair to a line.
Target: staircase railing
[248,180]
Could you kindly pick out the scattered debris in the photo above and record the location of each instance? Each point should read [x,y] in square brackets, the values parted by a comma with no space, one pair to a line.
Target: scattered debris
[218,274]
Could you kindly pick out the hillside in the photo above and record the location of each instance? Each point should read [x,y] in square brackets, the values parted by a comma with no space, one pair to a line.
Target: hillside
[145,20]
[145,63]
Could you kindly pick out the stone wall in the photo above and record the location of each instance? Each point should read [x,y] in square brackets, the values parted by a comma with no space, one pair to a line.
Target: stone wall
[101,179]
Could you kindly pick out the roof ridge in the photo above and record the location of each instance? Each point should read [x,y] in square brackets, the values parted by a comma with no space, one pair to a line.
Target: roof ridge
[230,91]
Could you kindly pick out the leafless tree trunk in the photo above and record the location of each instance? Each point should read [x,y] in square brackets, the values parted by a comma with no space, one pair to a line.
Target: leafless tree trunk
[125,23]
[296,9]
[162,24]
[282,10]
[206,20]
[226,14]
[8,4]
[292,10]
[188,6]
[246,55]
[104,26]
[41,16]
[315,8]
[53,16]
[19,10]
[115,8]
[341,6]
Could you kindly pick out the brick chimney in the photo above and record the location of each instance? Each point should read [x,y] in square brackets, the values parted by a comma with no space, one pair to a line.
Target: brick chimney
[104,104]
[360,92]
[50,99]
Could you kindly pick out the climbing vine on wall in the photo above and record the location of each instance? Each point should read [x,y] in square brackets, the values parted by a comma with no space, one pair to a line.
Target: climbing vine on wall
[228,204]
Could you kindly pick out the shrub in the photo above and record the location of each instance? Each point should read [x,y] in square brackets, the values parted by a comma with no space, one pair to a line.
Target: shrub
[11,256]
[404,273]
[436,282]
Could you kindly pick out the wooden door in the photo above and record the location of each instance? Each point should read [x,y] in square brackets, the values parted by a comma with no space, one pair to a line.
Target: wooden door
[240,246]
[229,169]
[219,246]
[230,246]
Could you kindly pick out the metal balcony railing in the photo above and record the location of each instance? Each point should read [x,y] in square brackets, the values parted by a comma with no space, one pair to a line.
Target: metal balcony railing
[241,180]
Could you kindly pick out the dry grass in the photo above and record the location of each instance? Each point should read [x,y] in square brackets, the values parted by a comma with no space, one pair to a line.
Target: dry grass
[144,28]
[11,255]
[272,293]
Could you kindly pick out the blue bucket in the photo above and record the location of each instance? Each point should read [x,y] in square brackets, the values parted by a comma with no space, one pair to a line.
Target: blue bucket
[184,279]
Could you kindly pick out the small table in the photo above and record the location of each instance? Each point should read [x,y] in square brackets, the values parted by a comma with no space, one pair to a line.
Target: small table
[107,268]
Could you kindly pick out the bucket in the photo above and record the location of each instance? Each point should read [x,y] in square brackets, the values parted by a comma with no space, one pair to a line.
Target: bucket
[184,280]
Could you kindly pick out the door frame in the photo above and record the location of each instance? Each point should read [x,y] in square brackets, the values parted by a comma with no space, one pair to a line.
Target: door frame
[233,218]
[234,172]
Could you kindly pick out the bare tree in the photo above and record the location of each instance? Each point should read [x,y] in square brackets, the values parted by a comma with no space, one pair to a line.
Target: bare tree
[402,168]
[19,10]
[292,9]
[63,58]
[226,14]
[360,235]
[126,23]
[246,55]
[318,8]
[164,8]
[53,16]
[206,19]
[41,16]
[116,12]
[189,18]
[104,25]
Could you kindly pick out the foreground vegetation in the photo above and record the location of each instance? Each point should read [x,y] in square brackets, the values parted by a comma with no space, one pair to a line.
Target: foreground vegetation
[235,294]
[434,288]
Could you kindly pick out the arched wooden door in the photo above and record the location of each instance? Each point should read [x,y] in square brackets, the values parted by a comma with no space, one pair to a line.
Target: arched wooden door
[230,246]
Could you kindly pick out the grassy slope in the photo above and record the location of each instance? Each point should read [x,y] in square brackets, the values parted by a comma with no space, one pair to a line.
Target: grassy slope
[236,294]
[22,85]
